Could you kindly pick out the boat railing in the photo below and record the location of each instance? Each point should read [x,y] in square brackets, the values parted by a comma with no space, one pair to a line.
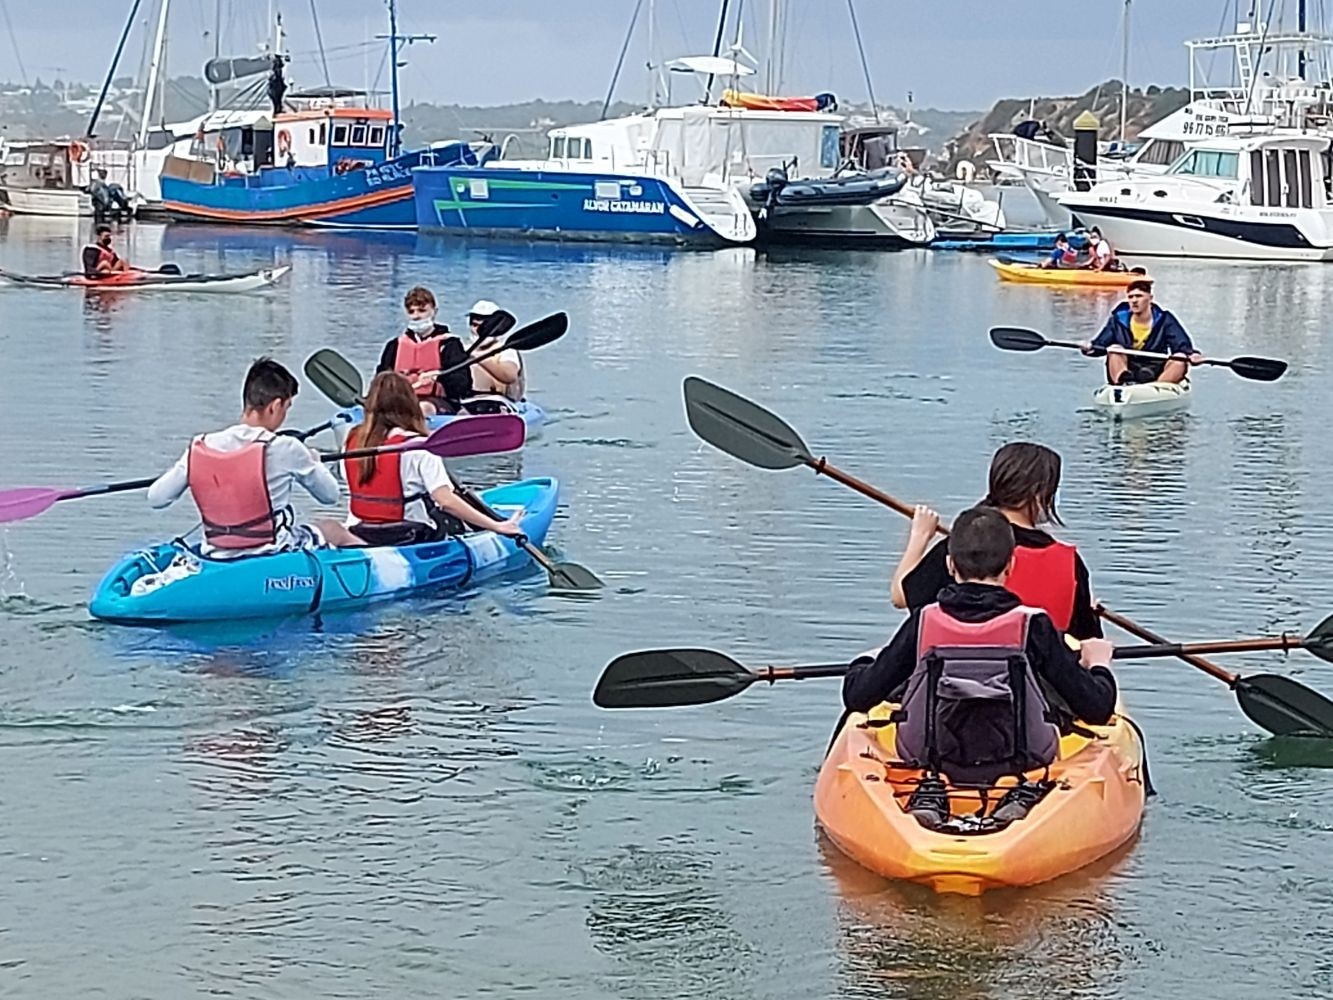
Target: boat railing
[1030,154]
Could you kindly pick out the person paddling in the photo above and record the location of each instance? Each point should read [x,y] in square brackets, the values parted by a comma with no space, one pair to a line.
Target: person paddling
[241,477]
[428,346]
[1139,324]
[99,259]
[404,498]
[1062,254]
[1047,573]
[501,374]
[985,683]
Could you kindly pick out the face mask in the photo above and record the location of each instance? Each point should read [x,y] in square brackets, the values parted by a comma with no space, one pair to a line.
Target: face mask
[425,324]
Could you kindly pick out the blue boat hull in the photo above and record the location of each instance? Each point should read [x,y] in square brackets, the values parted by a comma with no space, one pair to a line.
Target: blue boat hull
[555,204]
[378,197]
[298,583]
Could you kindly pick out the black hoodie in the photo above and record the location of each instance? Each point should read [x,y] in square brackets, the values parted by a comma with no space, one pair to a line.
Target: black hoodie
[1089,693]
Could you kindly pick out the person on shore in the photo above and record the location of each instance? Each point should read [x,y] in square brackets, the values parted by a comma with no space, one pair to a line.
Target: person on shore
[1046,574]
[100,258]
[404,498]
[1062,254]
[1139,324]
[424,349]
[501,374]
[241,477]
[1013,682]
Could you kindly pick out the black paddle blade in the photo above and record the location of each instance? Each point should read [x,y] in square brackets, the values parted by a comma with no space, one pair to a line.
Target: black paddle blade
[335,376]
[1016,338]
[743,429]
[1320,640]
[538,333]
[572,576]
[1259,369]
[662,678]
[1284,707]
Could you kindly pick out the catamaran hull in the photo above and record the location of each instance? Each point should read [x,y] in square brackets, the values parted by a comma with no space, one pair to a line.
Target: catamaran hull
[563,205]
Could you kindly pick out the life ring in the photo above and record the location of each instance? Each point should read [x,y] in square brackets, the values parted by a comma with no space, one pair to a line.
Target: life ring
[966,171]
[284,142]
[78,152]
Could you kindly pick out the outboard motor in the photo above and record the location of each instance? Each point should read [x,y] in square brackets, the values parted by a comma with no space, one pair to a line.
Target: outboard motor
[767,191]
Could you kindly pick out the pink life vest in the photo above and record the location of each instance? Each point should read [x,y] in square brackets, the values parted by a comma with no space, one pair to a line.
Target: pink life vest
[416,356]
[230,488]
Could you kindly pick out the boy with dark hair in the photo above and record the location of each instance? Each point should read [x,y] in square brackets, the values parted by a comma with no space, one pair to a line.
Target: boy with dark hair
[428,346]
[1139,324]
[983,682]
[241,477]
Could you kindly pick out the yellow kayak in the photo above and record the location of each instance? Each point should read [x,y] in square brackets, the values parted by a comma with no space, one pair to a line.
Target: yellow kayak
[1095,806]
[1032,274]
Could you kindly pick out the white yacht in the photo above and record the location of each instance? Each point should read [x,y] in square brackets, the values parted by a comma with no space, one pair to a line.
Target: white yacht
[1257,196]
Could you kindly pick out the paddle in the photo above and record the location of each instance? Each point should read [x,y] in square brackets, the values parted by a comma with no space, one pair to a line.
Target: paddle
[751,433]
[338,379]
[665,678]
[457,439]
[1017,338]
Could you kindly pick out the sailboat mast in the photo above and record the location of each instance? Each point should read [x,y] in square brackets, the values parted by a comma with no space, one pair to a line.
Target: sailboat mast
[111,72]
[1300,26]
[154,67]
[1124,74]
[217,53]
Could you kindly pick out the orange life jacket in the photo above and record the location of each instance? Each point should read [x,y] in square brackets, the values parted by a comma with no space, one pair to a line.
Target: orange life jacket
[381,500]
[230,488]
[1044,578]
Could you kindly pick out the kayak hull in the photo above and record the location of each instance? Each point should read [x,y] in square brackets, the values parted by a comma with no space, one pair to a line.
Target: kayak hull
[1151,399]
[152,281]
[344,420]
[1032,274]
[302,582]
[1095,807]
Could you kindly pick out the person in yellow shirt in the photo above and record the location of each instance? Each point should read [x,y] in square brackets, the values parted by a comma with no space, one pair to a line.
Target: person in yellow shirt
[1138,324]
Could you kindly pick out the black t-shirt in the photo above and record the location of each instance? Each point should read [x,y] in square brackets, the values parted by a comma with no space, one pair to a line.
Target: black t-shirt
[453,387]
[923,585]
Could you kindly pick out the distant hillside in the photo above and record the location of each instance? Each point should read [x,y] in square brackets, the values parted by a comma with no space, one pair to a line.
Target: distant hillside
[1145,108]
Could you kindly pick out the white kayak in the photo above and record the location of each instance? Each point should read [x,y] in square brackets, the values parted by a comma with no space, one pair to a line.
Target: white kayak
[1126,402]
[153,281]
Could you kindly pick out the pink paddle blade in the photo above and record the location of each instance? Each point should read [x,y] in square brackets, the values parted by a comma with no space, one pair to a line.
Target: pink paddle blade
[480,435]
[29,501]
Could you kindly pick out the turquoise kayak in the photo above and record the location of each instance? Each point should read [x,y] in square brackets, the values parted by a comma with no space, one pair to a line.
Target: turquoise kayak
[172,583]
[533,416]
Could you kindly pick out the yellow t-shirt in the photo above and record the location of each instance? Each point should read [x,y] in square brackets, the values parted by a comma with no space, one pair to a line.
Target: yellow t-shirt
[1138,331]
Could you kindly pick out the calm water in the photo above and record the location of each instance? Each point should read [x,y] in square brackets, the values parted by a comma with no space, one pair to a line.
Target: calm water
[423,801]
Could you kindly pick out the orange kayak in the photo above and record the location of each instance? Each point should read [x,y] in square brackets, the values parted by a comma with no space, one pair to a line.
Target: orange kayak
[1095,807]
[1031,274]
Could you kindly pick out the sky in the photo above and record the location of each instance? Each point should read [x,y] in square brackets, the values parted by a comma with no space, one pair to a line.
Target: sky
[954,54]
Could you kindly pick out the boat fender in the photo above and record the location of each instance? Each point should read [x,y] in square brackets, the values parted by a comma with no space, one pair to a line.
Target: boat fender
[284,142]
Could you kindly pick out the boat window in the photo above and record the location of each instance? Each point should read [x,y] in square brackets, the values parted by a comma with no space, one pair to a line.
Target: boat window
[558,148]
[1256,177]
[358,135]
[323,135]
[1273,163]
[1208,163]
[1160,152]
[340,135]
[312,135]
[1292,186]
[377,136]
[1305,181]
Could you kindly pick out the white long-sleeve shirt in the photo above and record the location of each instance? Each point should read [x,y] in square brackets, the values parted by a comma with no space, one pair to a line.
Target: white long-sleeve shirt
[287,461]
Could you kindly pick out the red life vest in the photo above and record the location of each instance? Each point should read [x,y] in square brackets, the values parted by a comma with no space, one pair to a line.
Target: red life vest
[973,706]
[1044,578]
[416,356]
[230,488]
[381,500]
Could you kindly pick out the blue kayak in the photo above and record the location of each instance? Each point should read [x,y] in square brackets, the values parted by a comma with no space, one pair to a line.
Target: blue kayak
[172,583]
[533,416]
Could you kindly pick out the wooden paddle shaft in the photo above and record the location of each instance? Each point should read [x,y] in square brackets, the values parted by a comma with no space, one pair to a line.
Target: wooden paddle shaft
[1207,666]
[1283,643]
[823,468]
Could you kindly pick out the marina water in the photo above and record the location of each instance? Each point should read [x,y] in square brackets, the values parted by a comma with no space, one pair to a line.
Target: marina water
[422,801]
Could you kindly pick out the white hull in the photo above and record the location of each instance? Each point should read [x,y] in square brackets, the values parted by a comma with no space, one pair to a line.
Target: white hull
[881,222]
[1181,233]
[48,201]
[1127,402]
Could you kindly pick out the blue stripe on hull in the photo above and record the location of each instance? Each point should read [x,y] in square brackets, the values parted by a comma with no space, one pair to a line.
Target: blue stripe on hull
[495,201]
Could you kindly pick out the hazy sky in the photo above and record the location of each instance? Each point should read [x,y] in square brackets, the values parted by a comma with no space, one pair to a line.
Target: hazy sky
[952,53]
